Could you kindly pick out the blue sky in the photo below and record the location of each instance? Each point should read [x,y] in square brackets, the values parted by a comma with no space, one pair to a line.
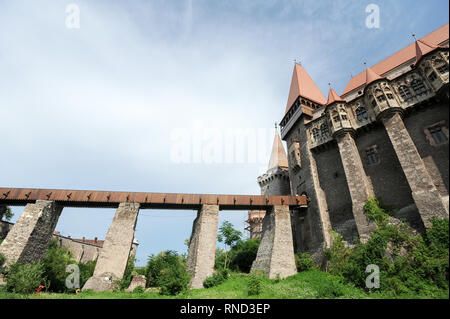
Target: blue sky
[96,107]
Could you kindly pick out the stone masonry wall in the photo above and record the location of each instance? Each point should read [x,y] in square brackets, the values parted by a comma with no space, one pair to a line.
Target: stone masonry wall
[276,251]
[114,255]
[311,225]
[424,192]
[435,157]
[334,183]
[357,182]
[202,245]
[30,236]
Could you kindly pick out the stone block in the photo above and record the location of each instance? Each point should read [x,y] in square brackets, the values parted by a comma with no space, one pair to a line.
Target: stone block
[202,246]
[276,251]
[137,281]
[114,255]
[28,239]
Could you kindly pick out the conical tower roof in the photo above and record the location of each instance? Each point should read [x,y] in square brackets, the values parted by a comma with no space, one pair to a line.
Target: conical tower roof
[334,97]
[278,157]
[303,85]
[371,76]
[423,48]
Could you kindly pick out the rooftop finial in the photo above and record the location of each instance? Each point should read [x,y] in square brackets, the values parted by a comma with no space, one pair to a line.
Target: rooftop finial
[297,62]
[414,36]
[276,125]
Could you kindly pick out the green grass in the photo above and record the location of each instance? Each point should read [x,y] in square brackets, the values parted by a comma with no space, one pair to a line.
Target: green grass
[309,284]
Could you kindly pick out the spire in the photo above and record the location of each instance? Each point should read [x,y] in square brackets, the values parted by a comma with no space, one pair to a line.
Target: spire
[278,157]
[333,97]
[371,75]
[303,85]
[422,48]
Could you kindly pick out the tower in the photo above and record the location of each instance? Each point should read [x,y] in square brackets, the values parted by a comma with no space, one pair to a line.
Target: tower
[274,182]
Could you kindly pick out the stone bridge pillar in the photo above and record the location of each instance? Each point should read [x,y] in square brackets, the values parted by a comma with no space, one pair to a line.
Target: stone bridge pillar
[28,239]
[358,184]
[424,192]
[202,245]
[113,258]
[276,250]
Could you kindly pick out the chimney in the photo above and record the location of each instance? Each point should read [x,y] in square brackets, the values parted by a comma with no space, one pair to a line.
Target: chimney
[84,239]
[95,240]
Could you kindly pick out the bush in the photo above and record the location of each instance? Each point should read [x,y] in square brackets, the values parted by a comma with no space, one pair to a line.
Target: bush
[303,261]
[86,271]
[330,289]
[173,279]
[55,262]
[408,262]
[138,290]
[25,278]
[216,279]
[243,254]
[124,283]
[2,261]
[254,283]
[156,264]
[376,211]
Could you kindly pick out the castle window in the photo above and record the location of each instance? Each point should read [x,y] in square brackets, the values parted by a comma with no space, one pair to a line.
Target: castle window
[442,69]
[418,86]
[315,133]
[432,76]
[405,93]
[294,152]
[381,98]
[390,96]
[361,114]
[372,155]
[438,135]
[374,103]
[344,117]
[324,130]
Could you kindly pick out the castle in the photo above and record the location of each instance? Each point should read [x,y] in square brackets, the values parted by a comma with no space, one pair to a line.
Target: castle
[385,136]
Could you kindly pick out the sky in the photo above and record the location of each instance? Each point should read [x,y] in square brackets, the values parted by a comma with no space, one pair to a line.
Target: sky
[144,95]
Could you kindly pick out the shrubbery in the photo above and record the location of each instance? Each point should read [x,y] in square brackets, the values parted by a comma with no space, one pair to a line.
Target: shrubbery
[55,262]
[216,279]
[124,283]
[240,256]
[25,278]
[2,261]
[50,272]
[408,262]
[167,270]
[303,261]
[254,283]
[86,271]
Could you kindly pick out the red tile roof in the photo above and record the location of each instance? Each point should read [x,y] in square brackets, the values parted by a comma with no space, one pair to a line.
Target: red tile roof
[302,85]
[333,97]
[371,76]
[408,53]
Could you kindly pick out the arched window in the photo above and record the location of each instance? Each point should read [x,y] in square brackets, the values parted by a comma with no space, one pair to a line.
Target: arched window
[324,130]
[315,133]
[373,102]
[336,117]
[432,76]
[361,113]
[418,86]
[443,69]
[405,93]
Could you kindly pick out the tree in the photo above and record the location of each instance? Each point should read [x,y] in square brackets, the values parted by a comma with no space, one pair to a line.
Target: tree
[6,212]
[229,236]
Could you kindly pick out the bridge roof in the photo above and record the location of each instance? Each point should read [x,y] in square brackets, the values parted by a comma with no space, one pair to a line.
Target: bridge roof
[88,198]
